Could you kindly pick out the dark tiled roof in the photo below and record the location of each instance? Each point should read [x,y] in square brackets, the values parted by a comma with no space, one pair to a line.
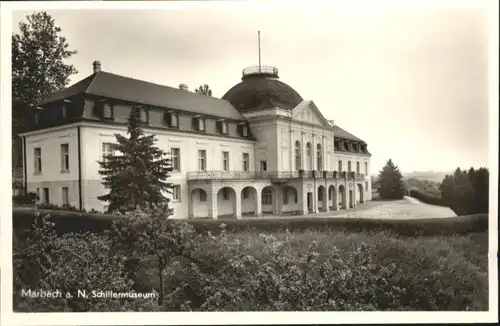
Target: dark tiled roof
[260,92]
[341,133]
[128,89]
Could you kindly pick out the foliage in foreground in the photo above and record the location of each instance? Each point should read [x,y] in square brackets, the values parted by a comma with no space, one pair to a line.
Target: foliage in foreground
[251,270]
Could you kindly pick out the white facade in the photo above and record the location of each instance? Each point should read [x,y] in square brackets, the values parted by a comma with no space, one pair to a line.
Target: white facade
[280,143]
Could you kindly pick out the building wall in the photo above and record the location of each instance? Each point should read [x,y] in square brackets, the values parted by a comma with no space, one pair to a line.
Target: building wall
[94,136]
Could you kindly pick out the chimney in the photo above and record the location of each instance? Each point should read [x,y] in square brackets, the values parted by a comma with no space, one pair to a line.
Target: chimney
[97,66]
[184,87]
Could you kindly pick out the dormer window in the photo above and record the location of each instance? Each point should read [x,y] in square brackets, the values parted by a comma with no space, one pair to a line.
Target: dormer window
[144,116]
[174,120]
[107,112]
[171,119]
[243,129]
[222,126]
[201,124]
[64,111]
[198,123]
[346,146]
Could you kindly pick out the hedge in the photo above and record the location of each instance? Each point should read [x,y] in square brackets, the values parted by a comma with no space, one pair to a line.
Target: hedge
[69,221]
[427,198]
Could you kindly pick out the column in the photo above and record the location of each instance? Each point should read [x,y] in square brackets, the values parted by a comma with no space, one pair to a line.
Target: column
[302,200]
[278,200]
[302,151]
[212,204]
[190,203]
[258,202]
[315,197]
[237,203]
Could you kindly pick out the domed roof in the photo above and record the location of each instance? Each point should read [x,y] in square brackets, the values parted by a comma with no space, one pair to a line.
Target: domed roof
[260,89]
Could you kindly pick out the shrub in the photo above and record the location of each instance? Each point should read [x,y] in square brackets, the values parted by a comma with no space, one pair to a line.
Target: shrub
[27,199]
[70,263]
[427,198]
[307,271]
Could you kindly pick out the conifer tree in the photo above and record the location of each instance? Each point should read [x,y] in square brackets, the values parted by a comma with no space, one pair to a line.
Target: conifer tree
[390,182]
[137,171]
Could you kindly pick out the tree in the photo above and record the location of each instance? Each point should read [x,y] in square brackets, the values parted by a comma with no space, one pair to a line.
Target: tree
[138,173]
[466,192]
[204,90]
[38,69]
[147,233]
[390,182]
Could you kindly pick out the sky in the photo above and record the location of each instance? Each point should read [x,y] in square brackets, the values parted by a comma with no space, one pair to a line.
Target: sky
[411,82]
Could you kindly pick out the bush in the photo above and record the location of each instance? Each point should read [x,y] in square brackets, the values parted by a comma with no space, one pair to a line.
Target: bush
[319,271]
[427,198]
[70,263]
[27,199]
[66,222]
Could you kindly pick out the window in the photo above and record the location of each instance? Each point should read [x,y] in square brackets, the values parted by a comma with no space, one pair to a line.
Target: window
[298,155]
[309,156]
[65,196]
[46,198]
[244,131]
[37,153]
[176,159]
[355,147]
[358,168]
[285,196]
[64,157]
[245,193]
[203,195]
[64,111]
[366,168]
[246,162]
[346,146]
[144,116]
[225,193]
[225,161]
[171,119]
[176,193]
[319,156]
[107,150]
[337,145]
[349,166]
[202,160]
[340,166]
[201,124]
[267,196]
[263,166]
[38,193]
[107,111]
[222,125]
[320,194]
[174,120]
[37,118]
[295,196]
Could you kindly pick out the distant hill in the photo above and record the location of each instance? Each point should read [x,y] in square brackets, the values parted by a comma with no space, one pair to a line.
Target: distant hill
[436,176]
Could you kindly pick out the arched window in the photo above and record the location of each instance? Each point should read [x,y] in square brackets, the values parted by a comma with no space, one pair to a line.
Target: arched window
[319,155]
[309,156]
[349,166]
[298,159]
[267,196]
